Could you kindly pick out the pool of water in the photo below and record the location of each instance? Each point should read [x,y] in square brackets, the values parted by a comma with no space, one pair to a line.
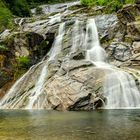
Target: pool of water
[51,125]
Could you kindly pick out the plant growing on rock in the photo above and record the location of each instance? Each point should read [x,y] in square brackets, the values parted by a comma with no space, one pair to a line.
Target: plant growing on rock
[5,17]
[39,10]
[112,5]
[23,62]
[3,48]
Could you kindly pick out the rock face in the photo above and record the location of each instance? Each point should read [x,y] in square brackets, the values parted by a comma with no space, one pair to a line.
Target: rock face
[129,17]
[72,83]
[137,1]
[20,51]
[127,39]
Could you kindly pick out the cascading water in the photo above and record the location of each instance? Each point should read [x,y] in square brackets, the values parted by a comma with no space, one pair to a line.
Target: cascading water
[77,40]
[94,51]
[58,42]
[77,36]
[34,94]
[119,86]
[121,90]
[38,89]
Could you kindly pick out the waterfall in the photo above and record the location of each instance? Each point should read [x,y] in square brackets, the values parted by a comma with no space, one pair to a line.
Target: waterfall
[119,86]
[34,94]
[54,19]
[21,21]
[58,42]
[121,90]
[94,51]
[77,36]
[38,89]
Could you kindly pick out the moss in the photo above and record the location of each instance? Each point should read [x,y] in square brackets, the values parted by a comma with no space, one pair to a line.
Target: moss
[23,62]
[106,42]
[128,40]
[19,73]
[75,7]
[3,48]
[111,5]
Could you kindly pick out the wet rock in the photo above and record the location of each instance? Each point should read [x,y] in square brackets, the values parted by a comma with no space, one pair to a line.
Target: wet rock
[73,64]
[99,102]
[78,55]
[136,47]
[137,1]
[107,24]
[128,14]
[21,45]
[120,51]
[83,103]
[55,7]
[129,17]
[4,34]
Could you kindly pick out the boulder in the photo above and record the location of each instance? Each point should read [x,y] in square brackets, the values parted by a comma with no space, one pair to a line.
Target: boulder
[129,16]
[120,51]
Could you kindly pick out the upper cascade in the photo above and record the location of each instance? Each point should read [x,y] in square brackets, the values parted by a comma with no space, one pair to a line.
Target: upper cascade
[95,52]
[46,85]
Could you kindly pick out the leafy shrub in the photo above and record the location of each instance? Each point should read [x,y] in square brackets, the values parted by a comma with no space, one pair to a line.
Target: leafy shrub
[5,17]
[3,48]
[129,1]
[23,62]
[18,7]
[112,5]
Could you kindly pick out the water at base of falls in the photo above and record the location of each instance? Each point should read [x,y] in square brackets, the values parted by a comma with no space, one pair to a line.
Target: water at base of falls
[119,86]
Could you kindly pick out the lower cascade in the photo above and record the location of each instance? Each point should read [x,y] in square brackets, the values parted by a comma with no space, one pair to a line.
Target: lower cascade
[32,90]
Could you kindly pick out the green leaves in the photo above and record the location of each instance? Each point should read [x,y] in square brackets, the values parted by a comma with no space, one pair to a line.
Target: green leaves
[18,7]
[3,48]
[111,5]
[23,62]
[5,17]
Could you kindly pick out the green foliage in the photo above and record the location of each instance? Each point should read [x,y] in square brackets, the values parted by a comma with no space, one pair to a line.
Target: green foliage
[18,7]
[88,2]
[129,1]
[3,48]
[23,62]
[39,10]
[112,5]
[5,17]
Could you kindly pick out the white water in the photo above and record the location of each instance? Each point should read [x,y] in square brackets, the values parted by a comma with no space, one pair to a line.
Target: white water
[119,86]
[6,101]
[21,21]
[38,89]
[121,90]
[94,51]
[54,19]
[15,89]
[75,35]
[58,42]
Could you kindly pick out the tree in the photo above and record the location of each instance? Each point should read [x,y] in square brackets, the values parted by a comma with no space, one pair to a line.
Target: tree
[18,7]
